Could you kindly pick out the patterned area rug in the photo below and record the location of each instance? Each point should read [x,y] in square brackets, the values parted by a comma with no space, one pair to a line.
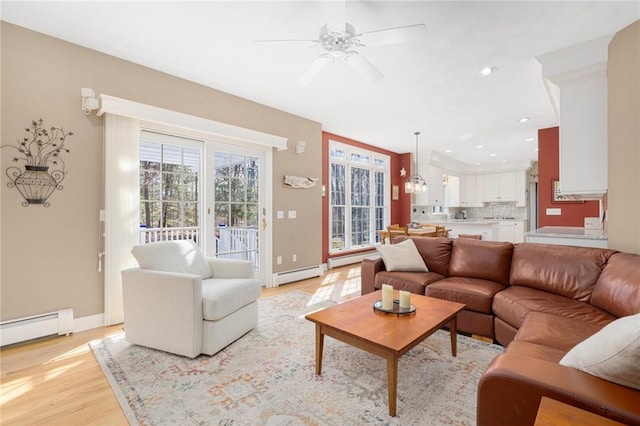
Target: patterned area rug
[268,377]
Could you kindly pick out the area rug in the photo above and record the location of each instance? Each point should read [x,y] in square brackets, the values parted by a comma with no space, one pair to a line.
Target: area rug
[268,378]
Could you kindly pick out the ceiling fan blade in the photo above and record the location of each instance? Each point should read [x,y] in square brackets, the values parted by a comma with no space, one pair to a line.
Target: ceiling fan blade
[313,70]
[314,43]
[363,67]
[335,14]
[394,35]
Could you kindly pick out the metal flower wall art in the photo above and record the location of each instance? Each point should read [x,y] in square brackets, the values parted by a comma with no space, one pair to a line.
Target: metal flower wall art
[43,169]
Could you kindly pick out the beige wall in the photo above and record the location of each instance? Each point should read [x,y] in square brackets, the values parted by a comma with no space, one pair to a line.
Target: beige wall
[623,81]
[49,255]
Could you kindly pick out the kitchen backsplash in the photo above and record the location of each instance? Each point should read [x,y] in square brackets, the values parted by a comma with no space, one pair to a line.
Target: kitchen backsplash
[490,210]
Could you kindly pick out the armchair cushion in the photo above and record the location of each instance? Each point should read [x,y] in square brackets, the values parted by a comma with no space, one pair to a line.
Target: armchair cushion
[221,297]
[182,256]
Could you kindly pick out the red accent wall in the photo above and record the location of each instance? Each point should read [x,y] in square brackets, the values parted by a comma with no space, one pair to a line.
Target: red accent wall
[573,214]
[400,209]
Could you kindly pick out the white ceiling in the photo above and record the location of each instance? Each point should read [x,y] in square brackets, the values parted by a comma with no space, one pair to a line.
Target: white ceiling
[433,85]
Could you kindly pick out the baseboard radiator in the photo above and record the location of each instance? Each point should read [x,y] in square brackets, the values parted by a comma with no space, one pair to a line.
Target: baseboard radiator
[348,259]
[297,275]
[33,327]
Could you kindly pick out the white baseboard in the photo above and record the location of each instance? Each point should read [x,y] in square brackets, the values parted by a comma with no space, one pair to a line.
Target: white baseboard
[87,323]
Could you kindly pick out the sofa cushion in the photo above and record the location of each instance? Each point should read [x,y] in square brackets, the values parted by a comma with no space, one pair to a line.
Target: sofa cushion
[224,296]
[415,282]
[514,303]
[618,288]
[555,331]
[477,294]
[534,350]
[565,270]
[402,256]
[488,260]
[182,256]
[611,354]
[434,251]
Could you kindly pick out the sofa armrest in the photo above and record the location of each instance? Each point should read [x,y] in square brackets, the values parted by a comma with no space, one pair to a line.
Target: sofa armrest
[230,268]
[163,310]
[369,268]
[511,388]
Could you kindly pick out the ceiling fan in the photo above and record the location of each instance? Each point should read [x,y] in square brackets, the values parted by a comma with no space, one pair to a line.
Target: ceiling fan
[341,44]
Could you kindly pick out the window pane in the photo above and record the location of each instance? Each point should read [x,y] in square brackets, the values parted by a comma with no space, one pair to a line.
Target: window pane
[191,217]
[222,164]
[222,214]
[379,163]
[252,215]
[338,185]
[379,195]
[170,186]
[171,158]
[359,158]
[338,153]
[191,160]
[360,191]
[238,214]
[150,214]
[238,169]
[171,213]
[238,190]
[150,185]
[150,155]
[222,189]
[360,226]
[338,240]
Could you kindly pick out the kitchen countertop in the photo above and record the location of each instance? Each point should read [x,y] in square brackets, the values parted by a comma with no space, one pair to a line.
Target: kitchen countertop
[568,232]
[473,221]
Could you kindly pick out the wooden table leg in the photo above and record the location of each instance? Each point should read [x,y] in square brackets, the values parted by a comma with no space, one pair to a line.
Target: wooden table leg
[454,336]
[392,383]
[319,347]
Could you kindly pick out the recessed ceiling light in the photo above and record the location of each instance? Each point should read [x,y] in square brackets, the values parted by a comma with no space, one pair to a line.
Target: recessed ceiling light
[536,150]
[479,146]
[524,119]
[504,161]
[529,139]
[448,150]
[492,155]
[477,164]
[488,70]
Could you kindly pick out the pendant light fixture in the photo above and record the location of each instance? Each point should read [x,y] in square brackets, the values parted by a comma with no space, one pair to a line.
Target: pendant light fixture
[416,183]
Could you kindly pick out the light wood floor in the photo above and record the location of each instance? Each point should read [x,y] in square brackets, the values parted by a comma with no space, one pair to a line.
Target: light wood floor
[57,381]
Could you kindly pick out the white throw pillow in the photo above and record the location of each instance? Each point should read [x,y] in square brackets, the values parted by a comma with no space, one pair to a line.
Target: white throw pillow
[173,256]
[403,256]
[613,353]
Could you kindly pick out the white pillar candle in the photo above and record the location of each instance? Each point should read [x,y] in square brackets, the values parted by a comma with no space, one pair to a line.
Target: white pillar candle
[387,297]
[405,299]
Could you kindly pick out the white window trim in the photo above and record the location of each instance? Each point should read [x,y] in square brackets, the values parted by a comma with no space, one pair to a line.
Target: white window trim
[387,196]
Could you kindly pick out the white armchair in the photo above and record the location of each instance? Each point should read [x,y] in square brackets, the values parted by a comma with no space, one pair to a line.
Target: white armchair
[181,302]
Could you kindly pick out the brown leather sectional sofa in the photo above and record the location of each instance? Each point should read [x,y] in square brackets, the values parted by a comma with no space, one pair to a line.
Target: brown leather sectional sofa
[537,300]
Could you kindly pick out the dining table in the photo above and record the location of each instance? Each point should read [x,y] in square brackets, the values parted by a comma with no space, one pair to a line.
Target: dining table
[427,231]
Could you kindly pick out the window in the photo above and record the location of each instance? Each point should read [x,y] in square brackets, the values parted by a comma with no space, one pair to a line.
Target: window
[359,196]
[169,188]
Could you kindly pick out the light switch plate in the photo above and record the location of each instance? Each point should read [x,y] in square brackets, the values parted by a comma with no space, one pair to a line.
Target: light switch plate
[280,214]
[292,214]
[554,212]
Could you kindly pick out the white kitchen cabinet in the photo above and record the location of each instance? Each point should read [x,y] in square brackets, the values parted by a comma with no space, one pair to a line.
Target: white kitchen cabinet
[507,231]
[435,189]
[471,192]
[499,187]
[452,191]
[511,231]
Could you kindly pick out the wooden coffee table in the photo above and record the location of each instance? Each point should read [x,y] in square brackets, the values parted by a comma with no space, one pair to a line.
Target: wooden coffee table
[387,335]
